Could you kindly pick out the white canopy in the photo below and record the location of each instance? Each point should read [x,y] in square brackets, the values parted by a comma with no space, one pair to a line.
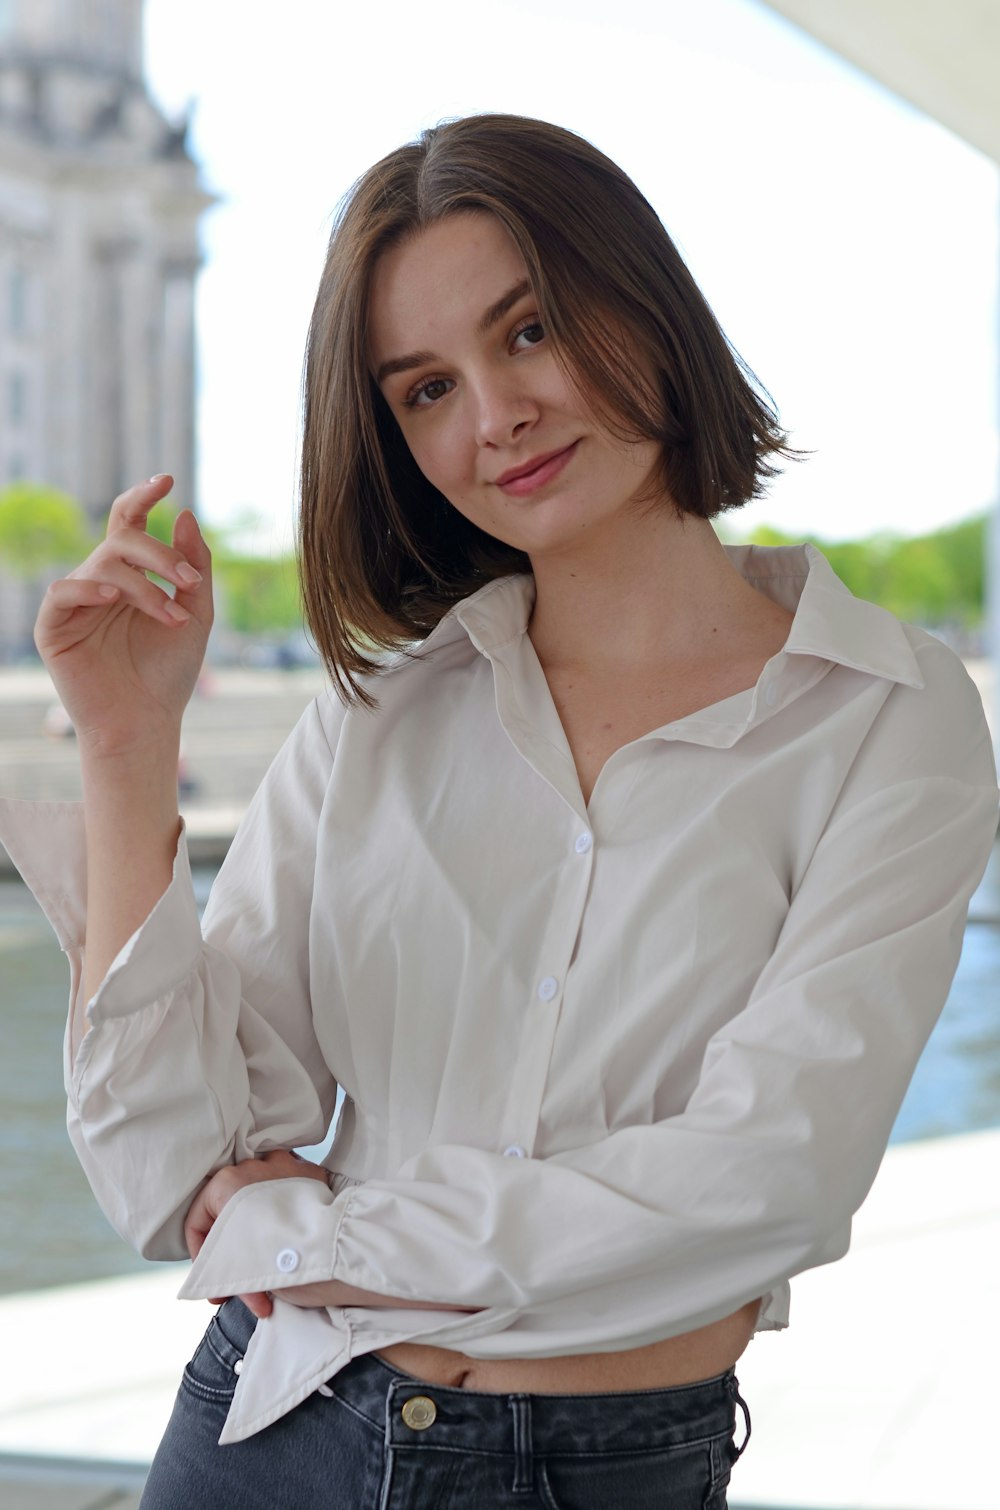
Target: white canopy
[941,55]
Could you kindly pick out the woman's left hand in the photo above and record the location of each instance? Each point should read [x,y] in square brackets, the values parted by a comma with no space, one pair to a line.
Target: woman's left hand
[280,1164]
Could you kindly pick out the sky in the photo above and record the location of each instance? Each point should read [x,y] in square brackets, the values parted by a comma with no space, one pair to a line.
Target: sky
[847,243]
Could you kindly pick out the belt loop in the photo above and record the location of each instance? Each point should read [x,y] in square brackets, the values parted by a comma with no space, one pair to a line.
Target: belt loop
[734,1390]
[524,1467]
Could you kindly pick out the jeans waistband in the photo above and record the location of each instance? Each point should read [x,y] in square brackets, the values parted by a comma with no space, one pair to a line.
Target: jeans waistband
[624,1421]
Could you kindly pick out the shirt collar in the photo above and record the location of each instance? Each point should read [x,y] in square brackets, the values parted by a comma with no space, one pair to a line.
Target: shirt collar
[829,621]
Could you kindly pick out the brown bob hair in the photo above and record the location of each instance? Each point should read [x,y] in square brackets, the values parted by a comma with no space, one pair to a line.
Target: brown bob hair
[382,554]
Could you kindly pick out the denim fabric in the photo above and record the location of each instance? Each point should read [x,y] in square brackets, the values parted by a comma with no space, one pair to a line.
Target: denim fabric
[350,1447]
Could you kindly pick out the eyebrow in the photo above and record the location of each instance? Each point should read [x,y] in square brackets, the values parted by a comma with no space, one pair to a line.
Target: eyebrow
[490,317]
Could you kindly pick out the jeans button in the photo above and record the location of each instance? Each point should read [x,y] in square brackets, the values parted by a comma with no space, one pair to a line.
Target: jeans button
[419,1412]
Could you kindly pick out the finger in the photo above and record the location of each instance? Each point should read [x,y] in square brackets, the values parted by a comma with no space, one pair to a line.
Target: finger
[63,598]
[196,1225]
[135,589]
[195,562]
[132,507]
[143,553]
[67,612]
[189,541]
[259,1302]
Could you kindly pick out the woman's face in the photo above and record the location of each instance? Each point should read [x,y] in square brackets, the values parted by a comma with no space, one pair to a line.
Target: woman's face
[490,418]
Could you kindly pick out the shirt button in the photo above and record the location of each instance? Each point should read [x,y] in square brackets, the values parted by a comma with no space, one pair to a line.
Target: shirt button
[547,987]
[771,695]
[583,843]
[515,1151]
[419,1412]
[287,1260]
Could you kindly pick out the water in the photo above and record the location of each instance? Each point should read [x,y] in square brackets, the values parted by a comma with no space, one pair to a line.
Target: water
[52,1231]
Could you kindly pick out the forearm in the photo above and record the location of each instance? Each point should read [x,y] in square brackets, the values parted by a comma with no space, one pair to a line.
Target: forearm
[132,823]
[124,656]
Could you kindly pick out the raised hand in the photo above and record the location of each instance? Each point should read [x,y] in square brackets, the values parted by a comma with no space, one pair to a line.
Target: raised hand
[123,655]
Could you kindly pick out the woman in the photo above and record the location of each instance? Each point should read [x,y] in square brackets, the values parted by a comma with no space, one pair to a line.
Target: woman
[620,901]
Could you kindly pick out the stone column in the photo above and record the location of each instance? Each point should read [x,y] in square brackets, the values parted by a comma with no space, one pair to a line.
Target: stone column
[137,355]
[104,407]
[69,348]
[178,379]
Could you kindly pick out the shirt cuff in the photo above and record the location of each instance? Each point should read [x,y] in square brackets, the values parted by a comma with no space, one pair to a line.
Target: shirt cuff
[47,842]
[270,1234]
[162,952]
[275,1234]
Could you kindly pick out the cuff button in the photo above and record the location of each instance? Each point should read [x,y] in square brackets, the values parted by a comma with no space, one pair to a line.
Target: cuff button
[287,1260]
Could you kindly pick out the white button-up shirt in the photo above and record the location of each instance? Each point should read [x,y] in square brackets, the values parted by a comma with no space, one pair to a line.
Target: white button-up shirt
[611,1069]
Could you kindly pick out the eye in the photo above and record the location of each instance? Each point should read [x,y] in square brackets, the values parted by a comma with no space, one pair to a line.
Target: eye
[531,328]
[434,389]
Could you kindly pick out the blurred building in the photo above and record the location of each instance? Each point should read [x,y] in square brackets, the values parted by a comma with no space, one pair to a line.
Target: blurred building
[99,208]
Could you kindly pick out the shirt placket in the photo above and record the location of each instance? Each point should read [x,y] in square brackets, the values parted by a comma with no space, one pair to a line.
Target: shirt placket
[526,710]
[544,1000]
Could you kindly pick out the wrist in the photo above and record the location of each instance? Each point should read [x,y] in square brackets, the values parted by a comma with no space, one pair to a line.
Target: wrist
[120,755]
[142,780]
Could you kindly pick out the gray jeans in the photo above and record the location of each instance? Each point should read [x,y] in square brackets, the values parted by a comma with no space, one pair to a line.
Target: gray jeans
[386,1441]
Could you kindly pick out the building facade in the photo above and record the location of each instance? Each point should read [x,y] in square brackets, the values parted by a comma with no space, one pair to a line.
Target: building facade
[100,202]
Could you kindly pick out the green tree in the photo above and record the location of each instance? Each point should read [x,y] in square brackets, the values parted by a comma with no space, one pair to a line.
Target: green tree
[963,548]
[41,528]
[160,520]
[938,578]
[42,532]
[260,593]
[865,566]
[766,534]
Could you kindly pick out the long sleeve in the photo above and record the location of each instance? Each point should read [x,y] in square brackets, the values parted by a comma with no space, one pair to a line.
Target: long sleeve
[611,1068]
[658,1228]
[198,1047]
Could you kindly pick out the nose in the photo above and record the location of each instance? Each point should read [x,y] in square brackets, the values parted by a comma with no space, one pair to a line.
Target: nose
[504,406]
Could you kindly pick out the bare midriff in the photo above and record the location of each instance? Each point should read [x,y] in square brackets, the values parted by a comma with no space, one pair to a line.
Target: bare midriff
[693,1356]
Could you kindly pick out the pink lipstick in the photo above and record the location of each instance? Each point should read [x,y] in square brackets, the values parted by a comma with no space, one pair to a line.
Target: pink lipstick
[518,482]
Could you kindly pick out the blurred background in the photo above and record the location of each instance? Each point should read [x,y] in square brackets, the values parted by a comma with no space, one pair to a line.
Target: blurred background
[169,171]
[168,174]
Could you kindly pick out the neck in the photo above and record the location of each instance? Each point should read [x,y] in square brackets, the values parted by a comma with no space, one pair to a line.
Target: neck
[663,591]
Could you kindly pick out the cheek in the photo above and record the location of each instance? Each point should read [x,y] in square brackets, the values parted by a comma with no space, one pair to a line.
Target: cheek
[443,454]
[556,392]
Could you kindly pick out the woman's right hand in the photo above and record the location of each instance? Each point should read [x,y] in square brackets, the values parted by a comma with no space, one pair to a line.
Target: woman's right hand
[123,655]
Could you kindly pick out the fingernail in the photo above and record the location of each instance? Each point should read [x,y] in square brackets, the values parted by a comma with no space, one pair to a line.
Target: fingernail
[107,591]
[188,574]
[159,476]
[176,612]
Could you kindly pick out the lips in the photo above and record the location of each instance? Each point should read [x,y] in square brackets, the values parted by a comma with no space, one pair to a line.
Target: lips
[536,472]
